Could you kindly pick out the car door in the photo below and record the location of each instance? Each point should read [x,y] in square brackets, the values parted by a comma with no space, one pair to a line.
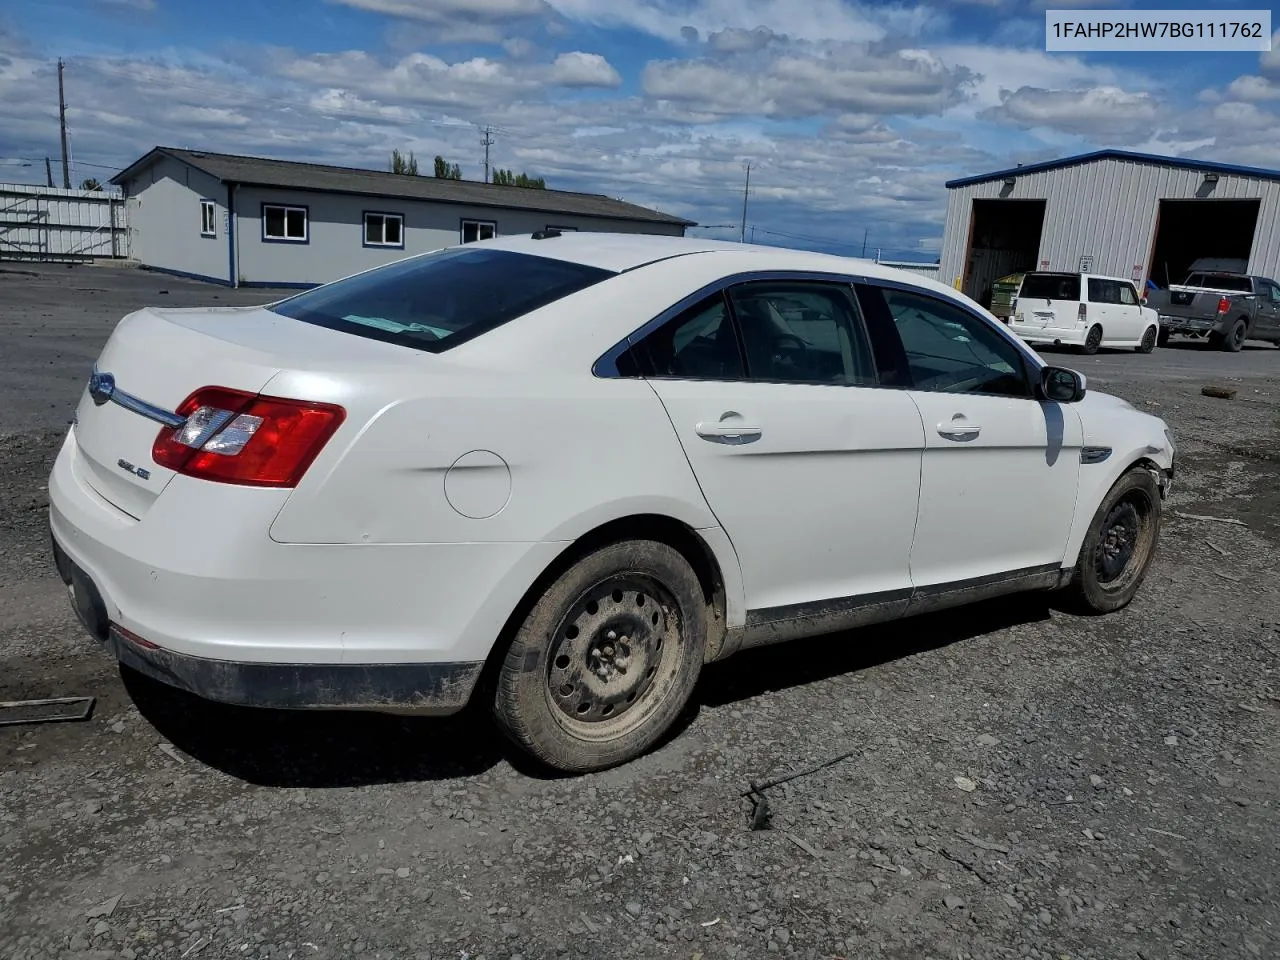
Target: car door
[1000,468]
[1131,322]
[1266,323]
[810,467]
[1100,309]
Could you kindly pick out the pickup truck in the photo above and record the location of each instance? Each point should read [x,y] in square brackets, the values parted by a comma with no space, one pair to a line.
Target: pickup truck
[1225,308]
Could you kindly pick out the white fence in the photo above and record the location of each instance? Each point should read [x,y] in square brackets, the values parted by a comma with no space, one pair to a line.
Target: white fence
[48,223]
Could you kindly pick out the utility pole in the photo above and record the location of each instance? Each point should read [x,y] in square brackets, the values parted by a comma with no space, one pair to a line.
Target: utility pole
[864,242]
[753,233]
[745,191]
[487,141]
[48,171]
[62,122]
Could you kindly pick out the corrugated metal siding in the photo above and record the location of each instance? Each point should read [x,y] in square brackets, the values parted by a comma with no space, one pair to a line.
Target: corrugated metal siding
[1107,209]
[52,223]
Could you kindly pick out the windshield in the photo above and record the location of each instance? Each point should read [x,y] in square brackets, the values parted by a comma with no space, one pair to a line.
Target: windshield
[439,300]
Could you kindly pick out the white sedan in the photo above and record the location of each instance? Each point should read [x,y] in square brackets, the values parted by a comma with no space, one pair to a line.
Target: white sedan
[563,472]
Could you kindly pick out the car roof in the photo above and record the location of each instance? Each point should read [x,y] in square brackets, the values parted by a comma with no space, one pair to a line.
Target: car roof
[1068,273]
[620,252]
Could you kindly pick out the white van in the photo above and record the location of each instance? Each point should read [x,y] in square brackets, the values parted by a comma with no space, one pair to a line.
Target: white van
[1083,310]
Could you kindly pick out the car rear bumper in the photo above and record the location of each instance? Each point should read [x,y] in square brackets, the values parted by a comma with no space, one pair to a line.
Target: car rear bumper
[423,688]
[1188,324]
[1035,334]
[197,594]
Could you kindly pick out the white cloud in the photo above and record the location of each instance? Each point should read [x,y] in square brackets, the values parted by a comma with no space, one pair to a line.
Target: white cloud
[802,80]
[1269,61]
[1253,88]
[578,69]
[1100,112]
[458,21]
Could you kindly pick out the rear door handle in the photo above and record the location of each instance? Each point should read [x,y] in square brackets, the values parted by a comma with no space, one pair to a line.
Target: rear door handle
[959,431]
[728,432]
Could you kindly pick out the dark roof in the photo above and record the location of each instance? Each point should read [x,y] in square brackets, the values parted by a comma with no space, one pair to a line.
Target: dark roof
[1205,165]
[263,172]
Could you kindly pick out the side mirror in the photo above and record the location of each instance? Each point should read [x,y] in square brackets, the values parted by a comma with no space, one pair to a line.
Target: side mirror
[1144,301]
[1061,385]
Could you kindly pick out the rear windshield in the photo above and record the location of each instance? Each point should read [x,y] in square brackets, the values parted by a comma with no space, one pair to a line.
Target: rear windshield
[1050,286]
[442,299]
[1219,281]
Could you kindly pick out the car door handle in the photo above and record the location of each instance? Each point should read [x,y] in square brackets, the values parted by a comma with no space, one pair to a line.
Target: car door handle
[959,431]
[728,432]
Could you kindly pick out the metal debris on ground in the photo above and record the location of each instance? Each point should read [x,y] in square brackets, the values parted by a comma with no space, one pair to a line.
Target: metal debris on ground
[14,712]
[761,815]
[1201,517]
[1218,393]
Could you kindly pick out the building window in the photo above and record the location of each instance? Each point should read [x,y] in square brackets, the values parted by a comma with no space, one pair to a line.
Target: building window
[383,230]
[284,224]
[208,219]
[473,230]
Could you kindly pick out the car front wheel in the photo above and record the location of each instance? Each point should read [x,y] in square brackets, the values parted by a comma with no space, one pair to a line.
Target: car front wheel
[606,659]
[1148,341]
[1119,545]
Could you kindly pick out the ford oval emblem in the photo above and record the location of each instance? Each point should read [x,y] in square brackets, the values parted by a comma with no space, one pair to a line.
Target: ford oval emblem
[101,387]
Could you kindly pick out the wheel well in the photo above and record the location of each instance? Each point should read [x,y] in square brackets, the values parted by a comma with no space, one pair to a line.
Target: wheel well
[675,534]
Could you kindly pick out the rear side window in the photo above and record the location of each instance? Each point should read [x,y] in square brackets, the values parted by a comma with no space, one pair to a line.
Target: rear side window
[1226,281]
[1050,286]
[437,301]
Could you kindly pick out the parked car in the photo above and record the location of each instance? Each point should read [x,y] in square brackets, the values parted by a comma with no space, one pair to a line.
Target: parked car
[561,473]
[1226,309]
[1083,310]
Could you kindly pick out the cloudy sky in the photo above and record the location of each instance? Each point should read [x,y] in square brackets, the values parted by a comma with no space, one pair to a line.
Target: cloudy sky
[853,114]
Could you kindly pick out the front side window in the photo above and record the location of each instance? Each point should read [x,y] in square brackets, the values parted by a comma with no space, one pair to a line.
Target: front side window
[698,344]
[473,230]
[802,332]
[946,348]
[383,230]
[284,223]
[1127,295]
[1275,292]
[439,300]
[208,219]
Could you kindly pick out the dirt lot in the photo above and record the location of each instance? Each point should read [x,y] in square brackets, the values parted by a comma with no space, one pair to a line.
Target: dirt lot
[1019,782]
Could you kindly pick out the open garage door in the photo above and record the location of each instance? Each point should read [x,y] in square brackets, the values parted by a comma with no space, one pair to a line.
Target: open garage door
[1004,238]
[1190,230]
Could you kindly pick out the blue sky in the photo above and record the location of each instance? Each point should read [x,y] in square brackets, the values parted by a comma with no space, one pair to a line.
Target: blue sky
[852,114]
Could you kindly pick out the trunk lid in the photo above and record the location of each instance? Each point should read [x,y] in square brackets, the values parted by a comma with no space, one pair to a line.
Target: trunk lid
[160,357]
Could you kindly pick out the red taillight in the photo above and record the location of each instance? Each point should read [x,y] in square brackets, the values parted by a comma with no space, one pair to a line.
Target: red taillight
[1223,304]
[236,437]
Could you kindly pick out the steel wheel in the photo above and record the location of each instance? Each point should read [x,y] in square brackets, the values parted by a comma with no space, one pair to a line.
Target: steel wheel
[1120,544]
[613,657]
[606,658]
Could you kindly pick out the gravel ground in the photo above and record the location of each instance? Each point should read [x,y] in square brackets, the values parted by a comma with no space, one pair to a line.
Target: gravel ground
[1015,781]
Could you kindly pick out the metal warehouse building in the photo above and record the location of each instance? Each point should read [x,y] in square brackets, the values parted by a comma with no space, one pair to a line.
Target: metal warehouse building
[248,221]
[1111,212]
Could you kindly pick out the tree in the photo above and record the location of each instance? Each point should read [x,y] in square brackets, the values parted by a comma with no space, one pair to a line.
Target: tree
[505,178]
[90,184]
[445,171]
[404,165]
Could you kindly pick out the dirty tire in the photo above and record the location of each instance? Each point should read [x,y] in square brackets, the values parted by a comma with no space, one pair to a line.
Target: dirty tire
[606,659]
[1162,339]
[1119,545]
[1235,336]
[1148,341]
[1092,340]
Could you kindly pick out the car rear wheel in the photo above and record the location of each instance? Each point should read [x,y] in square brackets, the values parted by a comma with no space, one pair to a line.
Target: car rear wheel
[1120,544]
[1148,341]
[606,659]
[1093,340]
[1235,337]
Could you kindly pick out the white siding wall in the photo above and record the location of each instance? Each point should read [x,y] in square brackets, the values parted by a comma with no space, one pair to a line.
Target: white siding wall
[336,227]
[1107,209]
[53,223]
[164,220]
